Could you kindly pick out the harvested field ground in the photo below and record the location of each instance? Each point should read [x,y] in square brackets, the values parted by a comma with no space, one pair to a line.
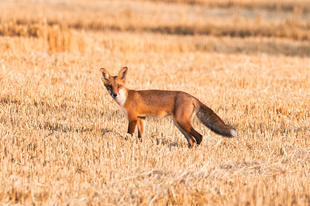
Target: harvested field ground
[63,139]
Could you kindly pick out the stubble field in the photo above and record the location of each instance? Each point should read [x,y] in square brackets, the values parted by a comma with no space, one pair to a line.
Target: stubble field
[63,139]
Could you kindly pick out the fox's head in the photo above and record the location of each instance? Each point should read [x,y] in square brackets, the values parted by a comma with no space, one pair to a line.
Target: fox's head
[114,84]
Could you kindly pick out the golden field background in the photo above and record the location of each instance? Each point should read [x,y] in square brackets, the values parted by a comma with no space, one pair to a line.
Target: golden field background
[63,140]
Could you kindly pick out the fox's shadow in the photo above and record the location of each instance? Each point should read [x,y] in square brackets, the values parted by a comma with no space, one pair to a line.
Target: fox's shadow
[167,142]
[57,127]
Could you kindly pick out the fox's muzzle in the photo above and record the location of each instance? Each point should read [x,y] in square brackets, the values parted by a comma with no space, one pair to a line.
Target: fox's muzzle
[113,94]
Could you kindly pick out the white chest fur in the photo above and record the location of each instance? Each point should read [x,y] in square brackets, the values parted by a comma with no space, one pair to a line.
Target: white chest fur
[120,99]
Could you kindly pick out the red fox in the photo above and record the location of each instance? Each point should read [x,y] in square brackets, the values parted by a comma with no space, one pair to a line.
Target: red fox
[136,105]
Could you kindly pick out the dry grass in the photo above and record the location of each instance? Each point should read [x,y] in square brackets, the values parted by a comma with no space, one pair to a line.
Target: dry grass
[51,37]
[63,140]
[279,5]
[180,19]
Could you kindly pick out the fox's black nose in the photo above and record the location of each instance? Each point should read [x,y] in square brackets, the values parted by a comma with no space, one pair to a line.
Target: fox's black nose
[114,95]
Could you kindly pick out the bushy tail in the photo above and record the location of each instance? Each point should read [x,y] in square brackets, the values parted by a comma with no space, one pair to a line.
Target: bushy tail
[212,121]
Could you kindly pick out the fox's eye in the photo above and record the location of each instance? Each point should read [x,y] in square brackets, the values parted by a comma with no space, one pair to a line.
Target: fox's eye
[119,86]
[109,87]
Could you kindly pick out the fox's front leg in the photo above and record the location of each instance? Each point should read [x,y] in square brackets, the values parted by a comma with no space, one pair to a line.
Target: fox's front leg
[132,126]
[140,127]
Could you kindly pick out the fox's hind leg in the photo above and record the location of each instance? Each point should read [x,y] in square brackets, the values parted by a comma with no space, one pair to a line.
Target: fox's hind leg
[187,135]
[188,130]
[196,135]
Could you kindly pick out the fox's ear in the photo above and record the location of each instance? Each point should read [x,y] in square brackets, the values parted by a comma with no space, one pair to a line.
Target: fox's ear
[122,73]
[105,75]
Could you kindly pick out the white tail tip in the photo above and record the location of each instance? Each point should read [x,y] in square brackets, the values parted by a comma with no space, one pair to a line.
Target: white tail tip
[233,132]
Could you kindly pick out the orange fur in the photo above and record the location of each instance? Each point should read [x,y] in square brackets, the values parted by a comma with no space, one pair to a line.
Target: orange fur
[136,105]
